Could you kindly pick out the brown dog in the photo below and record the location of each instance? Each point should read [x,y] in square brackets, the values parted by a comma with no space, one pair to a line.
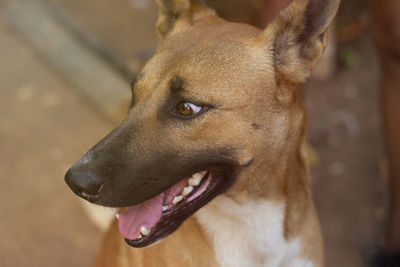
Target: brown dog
[216,116]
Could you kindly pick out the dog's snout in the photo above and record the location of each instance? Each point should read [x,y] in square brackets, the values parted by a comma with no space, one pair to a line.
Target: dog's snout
[84,183]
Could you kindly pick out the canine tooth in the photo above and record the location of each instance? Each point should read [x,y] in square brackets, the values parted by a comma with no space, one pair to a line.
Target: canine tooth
[117,216]
[177,199]
[164,208]
[196,178]
[145,231]
[186,191]
[139,236]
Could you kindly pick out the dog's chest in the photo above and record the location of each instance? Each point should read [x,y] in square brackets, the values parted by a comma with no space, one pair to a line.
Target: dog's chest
[250,234]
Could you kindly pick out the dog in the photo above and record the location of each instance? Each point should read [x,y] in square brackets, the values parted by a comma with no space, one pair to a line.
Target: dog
[209,166]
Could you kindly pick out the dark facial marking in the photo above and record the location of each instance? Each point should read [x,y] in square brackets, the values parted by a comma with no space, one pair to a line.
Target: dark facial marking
[176,84]
[255,126]
[131,178]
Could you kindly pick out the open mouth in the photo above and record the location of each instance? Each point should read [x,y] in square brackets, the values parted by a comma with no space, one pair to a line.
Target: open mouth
[147,222]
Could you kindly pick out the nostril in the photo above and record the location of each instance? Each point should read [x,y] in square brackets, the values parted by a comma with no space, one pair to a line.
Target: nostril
[83,182]
[91,188]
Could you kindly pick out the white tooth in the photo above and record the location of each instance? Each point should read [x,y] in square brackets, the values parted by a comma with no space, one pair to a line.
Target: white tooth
[139,236]
[145,231]
[186,191]
[117,216]
[194,181]
[196,178]
[164,208]
[177,199]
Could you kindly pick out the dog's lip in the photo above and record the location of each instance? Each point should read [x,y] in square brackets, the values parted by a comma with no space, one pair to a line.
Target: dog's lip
[220,180]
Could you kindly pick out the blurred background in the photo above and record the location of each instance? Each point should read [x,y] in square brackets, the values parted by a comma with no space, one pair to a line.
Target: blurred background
[65,68]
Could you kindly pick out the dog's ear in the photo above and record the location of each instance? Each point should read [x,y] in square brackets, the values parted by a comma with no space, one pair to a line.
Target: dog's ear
[173,14]
[298,36]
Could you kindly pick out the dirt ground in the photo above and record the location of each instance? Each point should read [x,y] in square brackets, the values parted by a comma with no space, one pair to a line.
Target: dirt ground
[45,126]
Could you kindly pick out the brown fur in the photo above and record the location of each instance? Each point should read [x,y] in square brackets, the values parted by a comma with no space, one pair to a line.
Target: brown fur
[250,77]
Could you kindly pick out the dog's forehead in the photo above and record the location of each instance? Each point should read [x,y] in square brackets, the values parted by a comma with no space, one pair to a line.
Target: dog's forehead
[222,43]
[212,54]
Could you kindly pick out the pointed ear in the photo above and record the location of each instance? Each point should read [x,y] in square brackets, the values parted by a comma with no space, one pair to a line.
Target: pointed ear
[298,37]
[177,13]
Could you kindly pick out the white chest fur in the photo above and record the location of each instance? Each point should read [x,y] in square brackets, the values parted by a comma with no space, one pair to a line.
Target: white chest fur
[250,234]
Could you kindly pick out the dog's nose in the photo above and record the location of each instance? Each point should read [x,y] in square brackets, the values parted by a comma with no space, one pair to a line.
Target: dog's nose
[84,183]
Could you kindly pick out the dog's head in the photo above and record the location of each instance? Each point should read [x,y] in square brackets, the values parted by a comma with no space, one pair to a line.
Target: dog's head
[217,102]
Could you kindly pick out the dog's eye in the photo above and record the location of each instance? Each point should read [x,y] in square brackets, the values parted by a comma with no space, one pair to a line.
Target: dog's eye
[188,109]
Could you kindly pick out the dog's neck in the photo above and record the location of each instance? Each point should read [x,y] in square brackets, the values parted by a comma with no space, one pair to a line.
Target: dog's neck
[253,231]
[250,234]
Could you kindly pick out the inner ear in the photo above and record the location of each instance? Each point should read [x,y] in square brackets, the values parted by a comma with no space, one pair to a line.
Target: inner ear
[298,37]
[318,16]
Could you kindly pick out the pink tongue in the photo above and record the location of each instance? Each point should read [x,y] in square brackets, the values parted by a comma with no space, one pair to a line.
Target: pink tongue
[146,214]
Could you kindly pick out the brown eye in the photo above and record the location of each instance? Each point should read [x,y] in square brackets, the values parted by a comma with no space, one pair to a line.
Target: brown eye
[188,109]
